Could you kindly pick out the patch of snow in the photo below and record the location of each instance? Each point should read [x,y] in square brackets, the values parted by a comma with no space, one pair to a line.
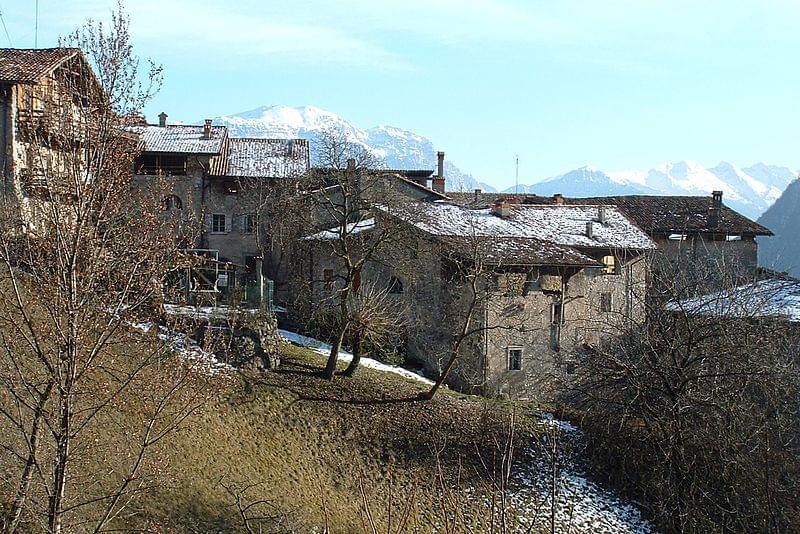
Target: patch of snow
[351,229]
[188,349]
[324,349]
[765,298]
[205,313]
[581,505]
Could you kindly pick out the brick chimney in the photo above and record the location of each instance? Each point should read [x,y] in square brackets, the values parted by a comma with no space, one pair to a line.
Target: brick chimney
[558,199]
[162,119]
[207,129]
[501,208]
[601,215]
[438,180]
[590,229]
[351,164]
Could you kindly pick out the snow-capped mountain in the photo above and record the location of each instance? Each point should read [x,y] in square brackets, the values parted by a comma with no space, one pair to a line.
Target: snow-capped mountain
[749,190]
[398,148]
[583,182]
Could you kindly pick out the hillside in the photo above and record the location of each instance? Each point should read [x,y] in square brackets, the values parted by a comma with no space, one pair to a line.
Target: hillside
[782,252]
[294,453]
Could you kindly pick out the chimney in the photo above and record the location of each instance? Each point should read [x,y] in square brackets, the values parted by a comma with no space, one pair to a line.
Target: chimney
[207,129]
[716,199]
[478,194]
[601,215]
[162,119]
[558,199]
[438,180]
[589,229]
[351,164]
[714,210]
[501,208]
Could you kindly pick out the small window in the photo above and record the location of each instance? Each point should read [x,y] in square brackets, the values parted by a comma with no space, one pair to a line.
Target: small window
[557,313]
[610,264]
[218,223]
[514,359]
[606,302]
[395,286]
[173,202]
[570,368]
[327,277]
[249,223]
[356,280]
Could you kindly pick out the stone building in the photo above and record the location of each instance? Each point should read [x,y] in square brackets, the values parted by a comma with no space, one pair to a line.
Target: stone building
[221,182]
[549,281]
[47,97]
[702,243]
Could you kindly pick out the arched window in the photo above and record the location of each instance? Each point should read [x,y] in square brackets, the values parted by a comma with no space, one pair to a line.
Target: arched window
[173,202]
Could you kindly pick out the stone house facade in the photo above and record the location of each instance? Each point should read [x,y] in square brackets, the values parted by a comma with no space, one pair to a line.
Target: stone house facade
[549,281]
[219,181]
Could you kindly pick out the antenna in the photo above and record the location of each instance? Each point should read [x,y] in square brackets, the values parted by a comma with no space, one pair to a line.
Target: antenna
[36,27]
[516,179]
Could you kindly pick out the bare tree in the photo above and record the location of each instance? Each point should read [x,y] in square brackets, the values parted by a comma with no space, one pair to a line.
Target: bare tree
[696,409]
[82,260]
[342,196]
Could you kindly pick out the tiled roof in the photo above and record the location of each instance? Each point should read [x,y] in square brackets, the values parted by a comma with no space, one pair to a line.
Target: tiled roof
[678,214]
[257,158]
[561,225]
[182,139]
[21,65]
[532,234]
[515,251]
[764,298]
[655,214]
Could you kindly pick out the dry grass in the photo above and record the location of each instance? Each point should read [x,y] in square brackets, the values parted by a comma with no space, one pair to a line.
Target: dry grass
[306,447]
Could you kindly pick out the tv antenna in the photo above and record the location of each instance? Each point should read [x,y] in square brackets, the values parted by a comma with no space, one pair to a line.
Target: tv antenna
[516,176]
[5,29]
[36,27]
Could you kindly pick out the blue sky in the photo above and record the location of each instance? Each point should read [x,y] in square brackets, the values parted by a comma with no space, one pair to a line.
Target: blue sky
[616,84]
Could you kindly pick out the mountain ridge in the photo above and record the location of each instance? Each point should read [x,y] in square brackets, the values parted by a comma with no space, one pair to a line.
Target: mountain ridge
[396,147]
[750,190]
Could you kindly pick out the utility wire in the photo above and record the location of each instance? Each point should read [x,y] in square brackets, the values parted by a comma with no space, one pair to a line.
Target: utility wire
[5,29]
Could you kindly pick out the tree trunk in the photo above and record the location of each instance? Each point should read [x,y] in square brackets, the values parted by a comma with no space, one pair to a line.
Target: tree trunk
[428,395]
[356,357]
[27,473]
[333,358]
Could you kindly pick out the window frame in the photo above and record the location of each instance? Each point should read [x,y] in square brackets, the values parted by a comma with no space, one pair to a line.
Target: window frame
[610,268]
[514,363]
[606,302]
[213,229]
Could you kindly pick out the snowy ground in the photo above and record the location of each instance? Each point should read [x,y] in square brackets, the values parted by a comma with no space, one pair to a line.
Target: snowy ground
[188,349]
[324,349]
[582,506]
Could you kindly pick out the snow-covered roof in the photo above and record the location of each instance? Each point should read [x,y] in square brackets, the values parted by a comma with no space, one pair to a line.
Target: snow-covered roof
[351,229]
[764,298]
[557,224]
[179,138]
[259,158]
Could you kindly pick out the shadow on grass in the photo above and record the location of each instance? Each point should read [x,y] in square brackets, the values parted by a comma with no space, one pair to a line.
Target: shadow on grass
[307,383]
